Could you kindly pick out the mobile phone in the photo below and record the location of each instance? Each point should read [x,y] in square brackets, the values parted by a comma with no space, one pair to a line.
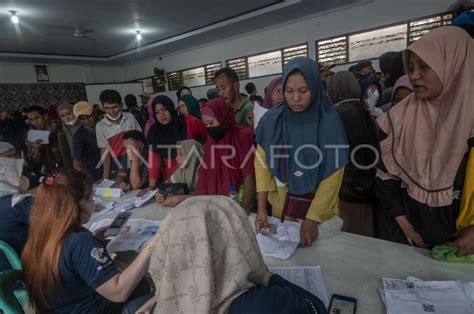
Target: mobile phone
[342,305]
[117,224]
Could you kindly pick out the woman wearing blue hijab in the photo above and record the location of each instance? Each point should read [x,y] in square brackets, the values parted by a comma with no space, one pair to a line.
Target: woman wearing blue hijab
[301,152]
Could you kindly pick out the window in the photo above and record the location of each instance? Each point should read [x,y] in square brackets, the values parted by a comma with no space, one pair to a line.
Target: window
[418,28]
[293,52]
[264,64]
[175,80]
[372,44]
[211,69]
[332,51]
[239,65]
[194,77]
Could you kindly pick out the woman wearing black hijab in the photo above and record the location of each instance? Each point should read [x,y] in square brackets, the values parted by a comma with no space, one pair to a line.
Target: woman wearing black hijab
[356,193]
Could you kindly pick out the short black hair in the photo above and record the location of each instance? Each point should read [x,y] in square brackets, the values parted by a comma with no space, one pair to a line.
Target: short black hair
[134,135]
[229,73]
[250,87]
[178,93]
[131,101]
[362,64]
[38,109]
[203,100]
[111,96]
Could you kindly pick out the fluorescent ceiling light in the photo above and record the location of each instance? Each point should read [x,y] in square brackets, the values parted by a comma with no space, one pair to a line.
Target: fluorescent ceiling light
[14,18]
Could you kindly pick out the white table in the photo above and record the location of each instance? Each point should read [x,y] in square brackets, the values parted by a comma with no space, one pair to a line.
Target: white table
[354,265]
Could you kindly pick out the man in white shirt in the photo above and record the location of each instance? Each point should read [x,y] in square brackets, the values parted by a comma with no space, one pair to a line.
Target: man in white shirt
[110,130]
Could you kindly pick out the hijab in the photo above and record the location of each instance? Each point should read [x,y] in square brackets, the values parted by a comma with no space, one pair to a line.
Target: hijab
[267,102]
[318,126]
[188,172]
[169,134]
[206,255]
[438,129]
[219,173]
[403,81]
[343,86]
[9,180]
[360,128]
[192,104]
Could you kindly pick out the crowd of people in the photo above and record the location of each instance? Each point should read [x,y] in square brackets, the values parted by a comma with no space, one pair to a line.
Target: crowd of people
[391,154]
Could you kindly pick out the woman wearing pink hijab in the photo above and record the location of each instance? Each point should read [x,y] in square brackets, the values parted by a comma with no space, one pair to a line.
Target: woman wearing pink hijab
[425,145]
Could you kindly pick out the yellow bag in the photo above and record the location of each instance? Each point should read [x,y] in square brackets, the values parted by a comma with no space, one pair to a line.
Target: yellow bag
[466,214]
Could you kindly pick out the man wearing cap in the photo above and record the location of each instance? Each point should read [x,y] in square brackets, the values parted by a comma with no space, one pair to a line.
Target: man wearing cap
[85,152]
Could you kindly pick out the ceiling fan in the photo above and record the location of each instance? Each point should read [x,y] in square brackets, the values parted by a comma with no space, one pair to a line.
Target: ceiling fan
[78,32]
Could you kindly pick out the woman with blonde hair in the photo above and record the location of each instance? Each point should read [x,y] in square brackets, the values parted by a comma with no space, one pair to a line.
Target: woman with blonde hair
[67,268]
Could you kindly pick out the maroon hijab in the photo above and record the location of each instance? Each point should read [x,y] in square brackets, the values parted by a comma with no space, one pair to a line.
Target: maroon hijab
[219,172]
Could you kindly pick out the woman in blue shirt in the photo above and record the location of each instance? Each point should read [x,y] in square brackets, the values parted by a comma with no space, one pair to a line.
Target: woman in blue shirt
[67,269]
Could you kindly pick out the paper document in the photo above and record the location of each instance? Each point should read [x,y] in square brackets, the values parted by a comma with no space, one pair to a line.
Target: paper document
[258,112]
[282,241]
[134,201]
[139,201]
[126,204]
[101,208]
[108,192]
[141,230]
[99,224]
[421,297]
[34,135]
[106,183]
[308,278]
[10,170]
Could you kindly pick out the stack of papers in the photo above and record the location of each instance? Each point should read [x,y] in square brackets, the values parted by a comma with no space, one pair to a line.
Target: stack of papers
[308,278]
[106,183]
[101,207]
[134,201]
[282,240]
[140,231]
[414,296]
[108,192]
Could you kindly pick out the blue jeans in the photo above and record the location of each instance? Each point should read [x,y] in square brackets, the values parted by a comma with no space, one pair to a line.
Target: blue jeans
[132,306]
[280,297]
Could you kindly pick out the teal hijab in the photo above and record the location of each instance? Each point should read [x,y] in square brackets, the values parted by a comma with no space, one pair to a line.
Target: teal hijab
[304,133]
[192,104]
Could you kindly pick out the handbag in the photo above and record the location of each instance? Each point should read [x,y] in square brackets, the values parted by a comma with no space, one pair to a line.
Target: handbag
[296,206]
[171,189]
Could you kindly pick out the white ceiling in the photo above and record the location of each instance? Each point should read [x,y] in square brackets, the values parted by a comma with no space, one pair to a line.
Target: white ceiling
[166,26]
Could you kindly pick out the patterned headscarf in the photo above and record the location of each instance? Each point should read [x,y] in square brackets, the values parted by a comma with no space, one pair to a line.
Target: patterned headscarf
[205,257]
